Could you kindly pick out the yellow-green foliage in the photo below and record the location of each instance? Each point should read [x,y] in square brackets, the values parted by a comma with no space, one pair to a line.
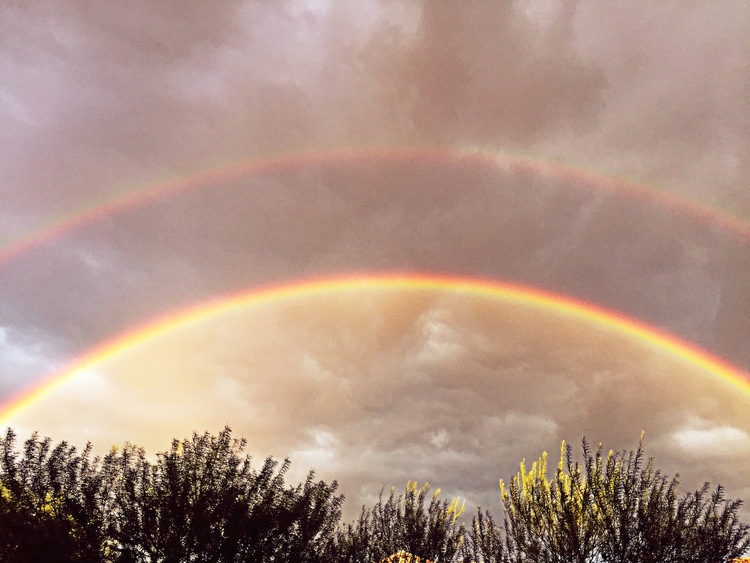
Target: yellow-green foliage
[551,518]
[616,508]
[451,511]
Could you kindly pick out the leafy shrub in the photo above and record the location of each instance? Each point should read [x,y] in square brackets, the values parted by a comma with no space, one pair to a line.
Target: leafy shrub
[203,501]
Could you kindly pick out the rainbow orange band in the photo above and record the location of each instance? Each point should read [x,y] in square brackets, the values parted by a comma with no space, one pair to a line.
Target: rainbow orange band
[531,297]
[516,163]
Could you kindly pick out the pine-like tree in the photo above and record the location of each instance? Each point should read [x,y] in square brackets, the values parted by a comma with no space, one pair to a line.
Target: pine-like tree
[403,524]
[616,510]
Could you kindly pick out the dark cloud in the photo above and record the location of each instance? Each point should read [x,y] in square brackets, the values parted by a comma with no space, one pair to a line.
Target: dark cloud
[676,83]
[482,72]
[101,100]
[734,305]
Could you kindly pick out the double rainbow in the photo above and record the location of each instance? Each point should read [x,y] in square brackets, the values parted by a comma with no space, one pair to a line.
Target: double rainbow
[527,296]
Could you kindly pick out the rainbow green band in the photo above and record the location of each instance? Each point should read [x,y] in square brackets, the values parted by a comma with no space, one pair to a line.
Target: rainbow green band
[572,309]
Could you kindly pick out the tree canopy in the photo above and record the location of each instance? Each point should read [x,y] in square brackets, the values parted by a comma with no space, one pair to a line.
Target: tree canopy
[615,509]
[202,500]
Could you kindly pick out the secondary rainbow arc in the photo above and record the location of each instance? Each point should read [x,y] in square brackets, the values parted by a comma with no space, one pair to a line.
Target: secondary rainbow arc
[206,179]
[523,295]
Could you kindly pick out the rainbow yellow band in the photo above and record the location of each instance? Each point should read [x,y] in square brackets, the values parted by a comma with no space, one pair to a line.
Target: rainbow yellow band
[551,303]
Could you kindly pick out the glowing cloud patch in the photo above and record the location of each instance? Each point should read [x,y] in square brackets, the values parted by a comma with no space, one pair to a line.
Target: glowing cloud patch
[713,441]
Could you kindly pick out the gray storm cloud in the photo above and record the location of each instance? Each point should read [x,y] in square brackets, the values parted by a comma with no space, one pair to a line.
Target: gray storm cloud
[99,100]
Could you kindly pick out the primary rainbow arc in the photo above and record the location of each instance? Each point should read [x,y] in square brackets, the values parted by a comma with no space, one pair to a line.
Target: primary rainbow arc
[548,302]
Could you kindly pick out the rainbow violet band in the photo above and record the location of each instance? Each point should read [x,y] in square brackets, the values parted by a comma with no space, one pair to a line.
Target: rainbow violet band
[547,302]
[487,157]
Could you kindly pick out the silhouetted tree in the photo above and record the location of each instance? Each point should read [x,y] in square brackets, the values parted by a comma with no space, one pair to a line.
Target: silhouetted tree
[403,523]
[50,506]
[484,541]
[616,511]
[203,501]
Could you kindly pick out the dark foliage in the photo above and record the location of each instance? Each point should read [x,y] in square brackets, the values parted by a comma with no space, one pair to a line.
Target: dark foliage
[203,501]
[200,501]
[616,510]
[402,524]
[484,541]
[50,503]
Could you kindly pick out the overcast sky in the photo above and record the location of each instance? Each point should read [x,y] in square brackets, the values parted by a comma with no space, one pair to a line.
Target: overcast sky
[97,101]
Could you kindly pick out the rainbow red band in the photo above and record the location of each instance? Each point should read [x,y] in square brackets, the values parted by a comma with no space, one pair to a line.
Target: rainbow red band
[548,302]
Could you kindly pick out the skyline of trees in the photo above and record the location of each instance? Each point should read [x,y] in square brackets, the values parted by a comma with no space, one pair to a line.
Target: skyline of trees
[202,500]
